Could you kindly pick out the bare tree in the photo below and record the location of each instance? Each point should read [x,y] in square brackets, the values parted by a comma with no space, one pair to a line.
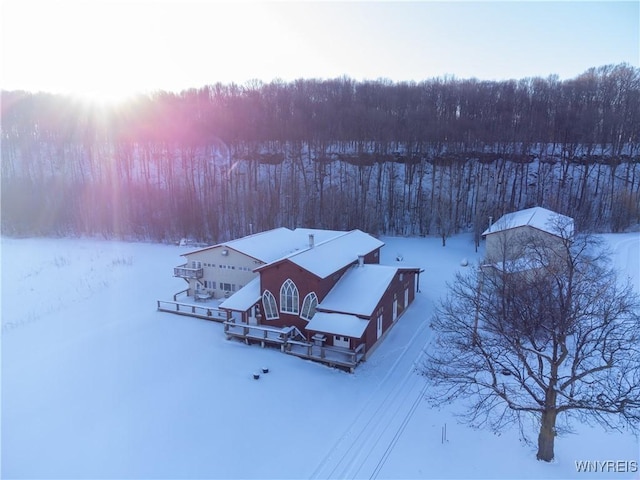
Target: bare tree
[553,336]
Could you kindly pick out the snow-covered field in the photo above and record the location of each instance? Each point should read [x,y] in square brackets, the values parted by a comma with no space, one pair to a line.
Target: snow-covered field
[97,383]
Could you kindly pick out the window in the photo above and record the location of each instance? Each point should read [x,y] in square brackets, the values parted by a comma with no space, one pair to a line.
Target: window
[309,305]
[227,287]
[289,297]
[269,304]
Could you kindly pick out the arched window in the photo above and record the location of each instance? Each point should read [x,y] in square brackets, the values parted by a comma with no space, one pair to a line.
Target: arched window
[289,297]
[309,305]
[269,304]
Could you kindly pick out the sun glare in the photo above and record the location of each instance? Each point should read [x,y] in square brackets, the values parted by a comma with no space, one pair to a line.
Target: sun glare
[103,97]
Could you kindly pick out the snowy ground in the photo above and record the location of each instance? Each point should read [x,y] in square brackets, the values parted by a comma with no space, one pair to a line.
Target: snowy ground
[96,383]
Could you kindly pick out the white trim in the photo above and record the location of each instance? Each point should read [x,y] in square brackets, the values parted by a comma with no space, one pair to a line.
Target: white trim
[309,305]
[289,289]
[341,341]
[269,305]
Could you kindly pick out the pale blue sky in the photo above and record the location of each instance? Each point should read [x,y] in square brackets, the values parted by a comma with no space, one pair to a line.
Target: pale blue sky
[110,47]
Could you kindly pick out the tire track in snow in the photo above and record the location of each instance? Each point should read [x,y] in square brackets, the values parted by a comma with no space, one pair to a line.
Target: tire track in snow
[399,432]
[352,451]
[376,442]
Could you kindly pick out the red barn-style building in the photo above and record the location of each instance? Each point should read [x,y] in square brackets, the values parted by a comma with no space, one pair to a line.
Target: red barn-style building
[331,301]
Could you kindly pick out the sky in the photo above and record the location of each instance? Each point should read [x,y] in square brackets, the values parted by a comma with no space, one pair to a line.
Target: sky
[110,48]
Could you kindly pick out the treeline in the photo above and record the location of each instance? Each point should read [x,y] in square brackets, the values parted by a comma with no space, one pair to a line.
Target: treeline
[437,156]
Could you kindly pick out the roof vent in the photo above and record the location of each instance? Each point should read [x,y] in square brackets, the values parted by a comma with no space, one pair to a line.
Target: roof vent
[360,260]
[312,241]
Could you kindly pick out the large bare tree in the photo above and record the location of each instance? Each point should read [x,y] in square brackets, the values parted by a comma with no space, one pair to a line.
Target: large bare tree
[552,336]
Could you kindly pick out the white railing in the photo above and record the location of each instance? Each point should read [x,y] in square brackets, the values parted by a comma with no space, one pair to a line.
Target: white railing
[208,313]
[186,272]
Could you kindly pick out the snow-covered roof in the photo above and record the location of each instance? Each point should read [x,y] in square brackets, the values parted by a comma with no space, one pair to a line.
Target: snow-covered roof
[327,257]
[319,234]
[265,246]
[274,244]
[245,298]
[536,217]
[359,290]
[338,324]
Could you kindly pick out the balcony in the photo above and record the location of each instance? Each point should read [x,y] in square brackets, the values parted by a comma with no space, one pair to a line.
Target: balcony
[187,273]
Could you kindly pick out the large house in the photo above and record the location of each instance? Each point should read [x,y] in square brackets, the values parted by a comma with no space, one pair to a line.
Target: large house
[223,269]
[508,238]
[319,293]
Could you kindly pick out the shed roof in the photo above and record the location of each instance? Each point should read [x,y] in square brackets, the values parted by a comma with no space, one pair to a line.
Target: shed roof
[536,217]
[338,324]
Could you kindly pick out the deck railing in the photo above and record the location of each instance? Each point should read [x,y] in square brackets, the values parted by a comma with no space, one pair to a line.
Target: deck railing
[187,272]
[289,339]
[286,339]
[186,309]
[185,292]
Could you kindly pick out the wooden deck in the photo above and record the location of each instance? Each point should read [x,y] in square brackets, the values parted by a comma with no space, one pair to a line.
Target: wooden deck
[332,356]
[258,333]
[290,340]
[197,311]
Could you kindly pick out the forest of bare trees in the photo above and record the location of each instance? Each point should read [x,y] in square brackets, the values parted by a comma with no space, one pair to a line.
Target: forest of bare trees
[434,157]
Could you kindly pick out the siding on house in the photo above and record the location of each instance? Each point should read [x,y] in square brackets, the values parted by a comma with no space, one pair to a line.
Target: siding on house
[510,244]
[385,305]
[506,239]
[230,271]
[272,279]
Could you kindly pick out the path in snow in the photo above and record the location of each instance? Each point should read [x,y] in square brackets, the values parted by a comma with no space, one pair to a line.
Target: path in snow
[364,446]
[367,438]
